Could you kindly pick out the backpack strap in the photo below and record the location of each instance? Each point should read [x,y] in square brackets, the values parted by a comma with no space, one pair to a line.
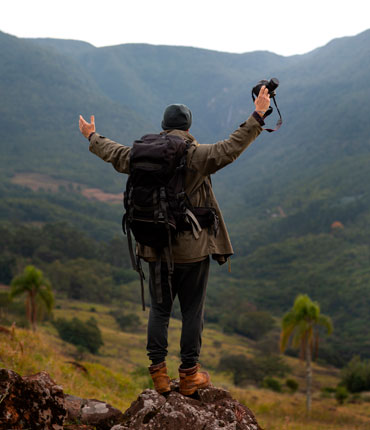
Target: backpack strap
[135,259]
[208,185]
[195,226]
[179,186]
[166,250]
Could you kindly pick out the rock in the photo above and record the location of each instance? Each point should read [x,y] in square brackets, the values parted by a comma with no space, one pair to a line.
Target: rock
[78,427]
[213,409]
[92,412]
[37,403]
[30,402]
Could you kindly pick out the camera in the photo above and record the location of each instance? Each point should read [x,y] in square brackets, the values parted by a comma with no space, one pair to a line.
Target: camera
[270,85]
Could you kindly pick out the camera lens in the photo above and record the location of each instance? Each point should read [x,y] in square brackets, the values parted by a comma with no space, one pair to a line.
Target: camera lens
[273,84]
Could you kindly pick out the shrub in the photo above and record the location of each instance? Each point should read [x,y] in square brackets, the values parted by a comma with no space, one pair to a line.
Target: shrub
[85,334]
[126,321]
[241,368]
[269,343]
[328,392]
[252,324]
[254,369]
[329,389]
[272,365]
[341,394]
[255,324]
[292,384]
[356,375]
[272,384]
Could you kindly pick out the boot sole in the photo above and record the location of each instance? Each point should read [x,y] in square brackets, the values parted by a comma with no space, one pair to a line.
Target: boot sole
[163,390]
[191,391]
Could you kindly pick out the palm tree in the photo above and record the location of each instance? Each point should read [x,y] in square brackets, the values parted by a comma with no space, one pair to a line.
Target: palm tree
[37,289]
[303,322]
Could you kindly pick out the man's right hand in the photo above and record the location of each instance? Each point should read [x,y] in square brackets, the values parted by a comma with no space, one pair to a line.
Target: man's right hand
[262,102]
[87,128]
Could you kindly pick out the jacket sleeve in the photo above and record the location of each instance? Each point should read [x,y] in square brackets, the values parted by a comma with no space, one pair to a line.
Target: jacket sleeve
[111,152]
[208,158]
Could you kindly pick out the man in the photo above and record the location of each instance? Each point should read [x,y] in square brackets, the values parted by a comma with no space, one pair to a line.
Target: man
[190,253]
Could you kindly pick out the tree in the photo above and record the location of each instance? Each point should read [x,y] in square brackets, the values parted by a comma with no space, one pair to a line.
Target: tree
[303,322]
[37,289]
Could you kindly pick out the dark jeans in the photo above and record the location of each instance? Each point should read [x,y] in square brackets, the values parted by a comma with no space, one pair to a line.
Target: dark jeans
[189,282]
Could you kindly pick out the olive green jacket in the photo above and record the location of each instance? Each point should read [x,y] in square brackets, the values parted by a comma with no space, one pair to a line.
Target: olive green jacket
[202,161]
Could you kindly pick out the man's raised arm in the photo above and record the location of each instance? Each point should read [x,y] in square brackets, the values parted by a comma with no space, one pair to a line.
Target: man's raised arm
[108,150]
[208,158]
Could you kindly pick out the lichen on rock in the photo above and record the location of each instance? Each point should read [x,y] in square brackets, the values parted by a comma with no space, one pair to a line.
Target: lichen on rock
[30,402]
[212,409]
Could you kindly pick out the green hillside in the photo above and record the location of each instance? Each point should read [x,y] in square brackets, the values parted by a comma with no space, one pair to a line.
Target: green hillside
[43,93]
[118,373]
[280,198]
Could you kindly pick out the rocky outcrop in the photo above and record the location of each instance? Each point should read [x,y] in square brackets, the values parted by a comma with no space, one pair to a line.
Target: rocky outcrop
[31,402]
[92,412]
[213,409]
[38,403]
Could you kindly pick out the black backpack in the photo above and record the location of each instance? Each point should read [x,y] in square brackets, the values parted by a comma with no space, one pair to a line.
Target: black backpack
[157,207]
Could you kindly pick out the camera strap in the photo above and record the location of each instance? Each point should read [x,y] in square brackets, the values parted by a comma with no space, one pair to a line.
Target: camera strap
[269,112]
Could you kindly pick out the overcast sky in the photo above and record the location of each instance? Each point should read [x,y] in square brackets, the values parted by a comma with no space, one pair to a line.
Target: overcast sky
[285,27]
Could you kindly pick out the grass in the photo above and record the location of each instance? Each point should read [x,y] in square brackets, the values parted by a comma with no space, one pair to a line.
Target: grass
[275,411]
[30,353]
[119,372]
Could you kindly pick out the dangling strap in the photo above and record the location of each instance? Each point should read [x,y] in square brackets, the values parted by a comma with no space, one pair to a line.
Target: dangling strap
[157,277]
[135,260]
[169,258]
[142,277]
[208,185]
[280,120]
[157,274]
[130,246]
[170,267]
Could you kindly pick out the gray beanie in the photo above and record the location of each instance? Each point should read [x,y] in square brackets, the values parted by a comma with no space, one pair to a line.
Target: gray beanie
[177,117]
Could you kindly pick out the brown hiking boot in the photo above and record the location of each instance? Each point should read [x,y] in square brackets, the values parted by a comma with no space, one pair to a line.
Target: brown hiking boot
[191,380]
[161,380]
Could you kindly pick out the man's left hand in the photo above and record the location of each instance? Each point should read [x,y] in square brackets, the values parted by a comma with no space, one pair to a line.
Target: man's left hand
[262,102]
[87,128]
